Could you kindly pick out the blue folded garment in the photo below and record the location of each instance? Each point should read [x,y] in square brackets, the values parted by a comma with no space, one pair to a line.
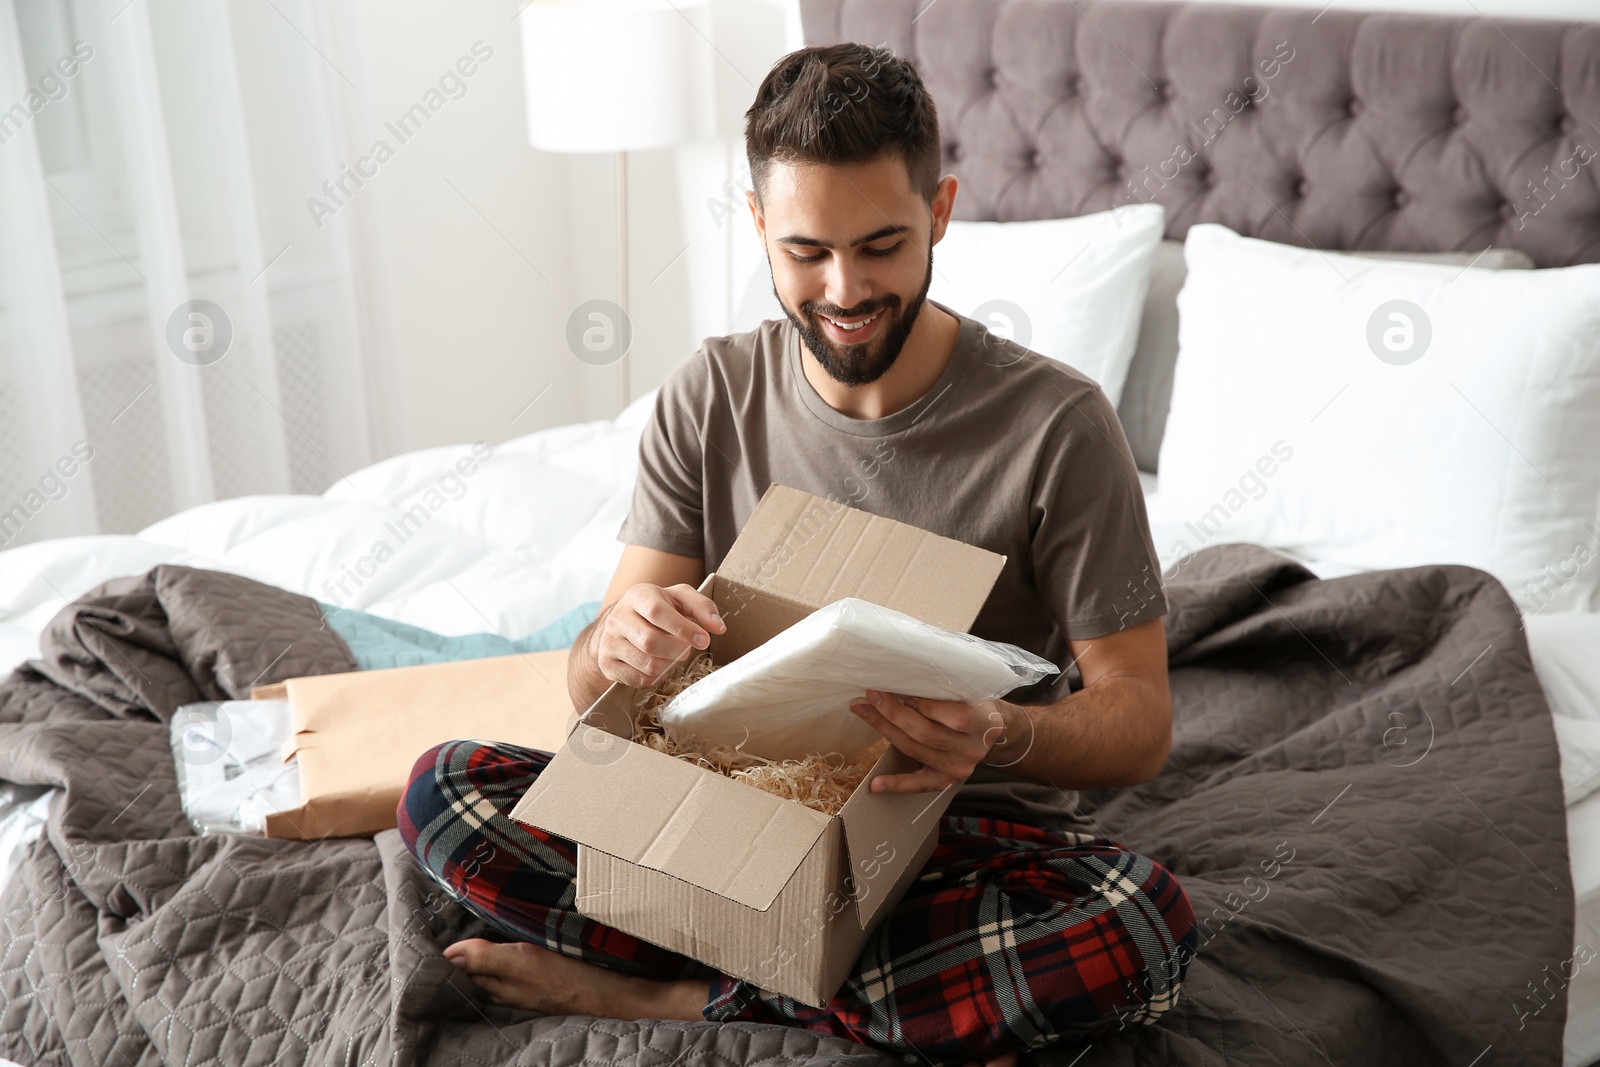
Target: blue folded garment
[377,642]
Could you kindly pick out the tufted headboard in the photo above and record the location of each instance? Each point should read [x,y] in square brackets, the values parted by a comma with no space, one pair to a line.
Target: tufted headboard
[1342,130]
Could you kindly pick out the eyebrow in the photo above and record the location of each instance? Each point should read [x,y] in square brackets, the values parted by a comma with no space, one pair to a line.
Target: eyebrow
[887,231]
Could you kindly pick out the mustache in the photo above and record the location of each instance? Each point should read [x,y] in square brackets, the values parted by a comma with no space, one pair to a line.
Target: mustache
[814,311]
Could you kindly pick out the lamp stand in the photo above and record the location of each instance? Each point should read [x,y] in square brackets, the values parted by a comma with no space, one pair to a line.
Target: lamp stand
[624,391]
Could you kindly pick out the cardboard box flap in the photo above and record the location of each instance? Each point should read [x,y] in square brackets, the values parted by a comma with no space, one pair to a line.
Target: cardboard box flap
[815,551]
[882,832]
[669,815]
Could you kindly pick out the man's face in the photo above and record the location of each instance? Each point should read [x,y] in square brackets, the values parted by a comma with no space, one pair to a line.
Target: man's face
[851,244]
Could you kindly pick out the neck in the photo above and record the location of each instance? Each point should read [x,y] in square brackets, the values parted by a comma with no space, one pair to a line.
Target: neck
[927,352]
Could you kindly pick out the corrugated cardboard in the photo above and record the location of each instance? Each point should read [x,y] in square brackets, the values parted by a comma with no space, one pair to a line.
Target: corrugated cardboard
[761,888]
[357,735]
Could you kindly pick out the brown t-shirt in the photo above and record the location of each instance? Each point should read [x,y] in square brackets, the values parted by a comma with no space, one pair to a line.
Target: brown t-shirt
[1010,451]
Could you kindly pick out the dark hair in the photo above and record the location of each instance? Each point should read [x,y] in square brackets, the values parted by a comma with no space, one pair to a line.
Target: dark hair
[844,103]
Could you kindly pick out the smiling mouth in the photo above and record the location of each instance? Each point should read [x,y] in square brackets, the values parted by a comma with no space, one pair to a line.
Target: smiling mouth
[850,328]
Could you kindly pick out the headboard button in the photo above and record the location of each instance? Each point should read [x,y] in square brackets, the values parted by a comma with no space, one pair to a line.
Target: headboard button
[1168,91]
[1461,116]
[1301,188]
[1353,107]
[1401,198]
[1508,210]
[993,77]
[1568,123]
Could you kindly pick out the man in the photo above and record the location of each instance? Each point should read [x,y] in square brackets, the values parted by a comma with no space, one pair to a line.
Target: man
[1027,926]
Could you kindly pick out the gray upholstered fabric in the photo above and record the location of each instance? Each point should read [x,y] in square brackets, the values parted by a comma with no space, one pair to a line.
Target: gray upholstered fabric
[1416,133]
[1147,394]
[1396,132]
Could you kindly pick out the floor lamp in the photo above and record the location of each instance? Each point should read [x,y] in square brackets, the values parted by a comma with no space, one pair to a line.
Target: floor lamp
[617,76]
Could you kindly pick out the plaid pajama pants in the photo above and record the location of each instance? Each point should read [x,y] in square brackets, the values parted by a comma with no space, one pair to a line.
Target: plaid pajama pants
[1013,938]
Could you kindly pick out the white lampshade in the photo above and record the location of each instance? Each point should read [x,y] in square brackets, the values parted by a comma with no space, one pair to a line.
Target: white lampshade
[617,75]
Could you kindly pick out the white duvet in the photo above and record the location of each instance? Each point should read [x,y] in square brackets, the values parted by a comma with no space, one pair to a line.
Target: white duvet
[439,538]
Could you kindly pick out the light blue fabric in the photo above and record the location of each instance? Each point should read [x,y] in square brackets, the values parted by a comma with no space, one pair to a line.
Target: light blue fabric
[377,642]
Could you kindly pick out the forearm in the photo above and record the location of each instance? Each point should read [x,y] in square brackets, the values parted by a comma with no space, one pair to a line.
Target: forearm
[585,683]
[1113,733]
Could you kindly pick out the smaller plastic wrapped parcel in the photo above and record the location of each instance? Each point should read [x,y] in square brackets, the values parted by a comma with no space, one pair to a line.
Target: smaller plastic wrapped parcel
[228,755]
[791,696]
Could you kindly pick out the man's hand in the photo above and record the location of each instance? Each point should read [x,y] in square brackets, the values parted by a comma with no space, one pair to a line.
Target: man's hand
[650,628]
[947,737]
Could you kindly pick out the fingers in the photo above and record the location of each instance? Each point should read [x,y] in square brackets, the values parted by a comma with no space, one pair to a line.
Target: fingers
[949,752]
[651,630]
[880,719]
[910,722]
[695,610]
[952,713]
[664,631]
[623,661]
[687,615]
[922,780]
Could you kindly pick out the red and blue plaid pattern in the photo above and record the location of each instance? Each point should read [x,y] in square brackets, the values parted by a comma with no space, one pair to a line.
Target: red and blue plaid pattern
[1012,938]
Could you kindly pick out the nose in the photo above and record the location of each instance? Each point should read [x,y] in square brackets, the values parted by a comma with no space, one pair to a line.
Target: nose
[847,286]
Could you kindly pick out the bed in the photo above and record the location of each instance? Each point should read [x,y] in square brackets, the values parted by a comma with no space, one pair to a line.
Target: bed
[1345,958]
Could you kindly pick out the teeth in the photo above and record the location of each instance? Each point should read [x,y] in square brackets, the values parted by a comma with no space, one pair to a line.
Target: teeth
[854,327]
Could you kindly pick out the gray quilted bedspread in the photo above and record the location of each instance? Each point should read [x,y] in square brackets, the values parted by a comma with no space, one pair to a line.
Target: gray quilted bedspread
[1363,802]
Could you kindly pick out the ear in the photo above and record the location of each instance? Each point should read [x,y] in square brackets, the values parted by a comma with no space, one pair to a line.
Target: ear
[756,215]
[944,202]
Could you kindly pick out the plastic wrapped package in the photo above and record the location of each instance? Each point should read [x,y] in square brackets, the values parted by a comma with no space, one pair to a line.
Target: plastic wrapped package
[229,759]
[791,696]
[23,812]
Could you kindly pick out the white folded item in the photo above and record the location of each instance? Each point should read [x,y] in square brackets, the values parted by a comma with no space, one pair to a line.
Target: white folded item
[791,697]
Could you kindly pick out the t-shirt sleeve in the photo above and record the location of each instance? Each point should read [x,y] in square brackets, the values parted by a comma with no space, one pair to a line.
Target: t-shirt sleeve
[668,501]
[1093,554]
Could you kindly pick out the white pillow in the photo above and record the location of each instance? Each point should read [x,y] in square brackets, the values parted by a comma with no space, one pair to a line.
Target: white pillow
[1071,289]
[1471,441]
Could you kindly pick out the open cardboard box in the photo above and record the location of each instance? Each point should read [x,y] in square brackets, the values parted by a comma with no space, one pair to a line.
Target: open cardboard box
[762,888]
[357,734]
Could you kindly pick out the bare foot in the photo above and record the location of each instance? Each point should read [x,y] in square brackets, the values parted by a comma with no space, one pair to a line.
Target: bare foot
[1005,1059]
[524,975]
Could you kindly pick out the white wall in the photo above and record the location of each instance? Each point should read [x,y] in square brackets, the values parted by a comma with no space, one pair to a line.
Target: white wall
[479,247]
[464,232]
[690,239]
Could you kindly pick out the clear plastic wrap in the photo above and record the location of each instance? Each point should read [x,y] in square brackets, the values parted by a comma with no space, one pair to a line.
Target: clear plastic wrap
[791,696]
[228,756]
[24,809]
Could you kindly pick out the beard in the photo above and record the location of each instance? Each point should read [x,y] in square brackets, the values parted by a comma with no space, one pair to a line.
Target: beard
[859,364]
